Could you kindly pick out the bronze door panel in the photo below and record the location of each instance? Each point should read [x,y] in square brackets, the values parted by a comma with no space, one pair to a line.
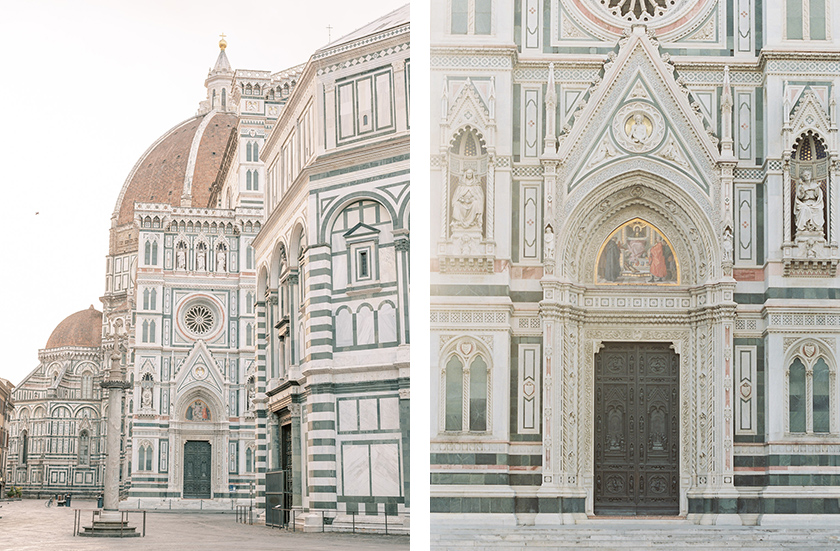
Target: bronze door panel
[636,430]
[197,470]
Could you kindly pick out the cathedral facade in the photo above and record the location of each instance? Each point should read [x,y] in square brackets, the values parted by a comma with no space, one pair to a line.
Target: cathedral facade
[634,252]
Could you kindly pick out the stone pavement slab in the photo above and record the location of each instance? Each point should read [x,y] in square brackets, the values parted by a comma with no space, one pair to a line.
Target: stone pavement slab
[30,526]
[637,537]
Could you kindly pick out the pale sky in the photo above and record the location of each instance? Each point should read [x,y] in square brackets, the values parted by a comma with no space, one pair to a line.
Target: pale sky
[87,86]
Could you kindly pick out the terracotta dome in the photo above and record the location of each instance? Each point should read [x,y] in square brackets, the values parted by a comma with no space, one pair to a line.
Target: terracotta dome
[185,159]
[83,328]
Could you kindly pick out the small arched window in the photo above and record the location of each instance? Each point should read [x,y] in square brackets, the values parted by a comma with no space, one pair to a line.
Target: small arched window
[84,448]
[249,460]
[24,447]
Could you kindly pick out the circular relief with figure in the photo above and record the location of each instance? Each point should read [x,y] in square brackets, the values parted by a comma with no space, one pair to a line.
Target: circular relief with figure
[199,319]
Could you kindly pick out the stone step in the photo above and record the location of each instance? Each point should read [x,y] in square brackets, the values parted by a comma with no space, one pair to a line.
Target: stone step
[606,539]
[109,529]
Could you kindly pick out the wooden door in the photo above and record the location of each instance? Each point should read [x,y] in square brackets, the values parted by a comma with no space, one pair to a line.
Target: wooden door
[636,430]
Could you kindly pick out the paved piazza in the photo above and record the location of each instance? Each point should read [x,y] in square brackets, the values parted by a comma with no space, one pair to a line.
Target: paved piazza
[29,526]
[612,536]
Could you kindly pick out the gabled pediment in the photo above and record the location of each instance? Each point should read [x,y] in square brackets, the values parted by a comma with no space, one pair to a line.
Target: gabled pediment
[469,109]
[809,114]
[639,110]
[361,230]
[199,370]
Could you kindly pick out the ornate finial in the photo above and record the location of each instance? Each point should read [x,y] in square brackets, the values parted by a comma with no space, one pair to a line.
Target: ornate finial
[222,42]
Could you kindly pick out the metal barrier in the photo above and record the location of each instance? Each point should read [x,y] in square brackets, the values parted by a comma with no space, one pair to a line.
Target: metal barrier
[284,524]
[245,514]
[124,520]
[77,519]
[325,520]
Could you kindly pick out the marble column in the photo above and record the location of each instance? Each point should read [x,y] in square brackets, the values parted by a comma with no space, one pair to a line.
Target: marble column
[116,386]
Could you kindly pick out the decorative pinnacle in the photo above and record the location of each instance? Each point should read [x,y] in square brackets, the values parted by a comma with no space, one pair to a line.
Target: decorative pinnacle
[222,42]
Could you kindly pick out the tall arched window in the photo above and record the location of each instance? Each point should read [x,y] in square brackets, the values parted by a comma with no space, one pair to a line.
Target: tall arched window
[249,460]
[797,396]
[248,180]
[24,447]
[147,255]
[145,336]
[224,98]
[454,394]
[812,390]
[478,395]
[154,252]
[466,387]
[87,385]
[152,331]
[248,151]
[145,299]
[144,456]
[256,178]
[84,448]
[255,152]
[153,299]
[249,335]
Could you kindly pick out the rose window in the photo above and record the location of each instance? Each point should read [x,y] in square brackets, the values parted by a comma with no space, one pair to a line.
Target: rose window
[638,10]
[199,319]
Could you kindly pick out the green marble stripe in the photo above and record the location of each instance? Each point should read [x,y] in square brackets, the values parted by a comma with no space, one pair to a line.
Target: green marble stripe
[356,388]
[811,293]
[316,407]
[766,506]
[326,457]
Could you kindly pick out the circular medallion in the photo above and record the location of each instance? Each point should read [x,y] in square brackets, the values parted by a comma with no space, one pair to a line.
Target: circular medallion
[638,127]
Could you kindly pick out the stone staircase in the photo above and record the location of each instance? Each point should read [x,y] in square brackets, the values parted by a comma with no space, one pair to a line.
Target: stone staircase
[109,529]
[636,538]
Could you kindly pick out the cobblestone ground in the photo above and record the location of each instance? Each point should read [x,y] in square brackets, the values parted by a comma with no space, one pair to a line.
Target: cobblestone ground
[30,526]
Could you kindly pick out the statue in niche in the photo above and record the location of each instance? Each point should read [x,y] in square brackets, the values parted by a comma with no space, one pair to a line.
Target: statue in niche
[221,261]
[180,259]
[468,203]
[201,261]
[146,399]
[549,242]
[727,245]
[808,207]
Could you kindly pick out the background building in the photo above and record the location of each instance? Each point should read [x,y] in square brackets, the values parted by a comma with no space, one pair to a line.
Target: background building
[6,410]
[332,282]
[57,431]
[634,305]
